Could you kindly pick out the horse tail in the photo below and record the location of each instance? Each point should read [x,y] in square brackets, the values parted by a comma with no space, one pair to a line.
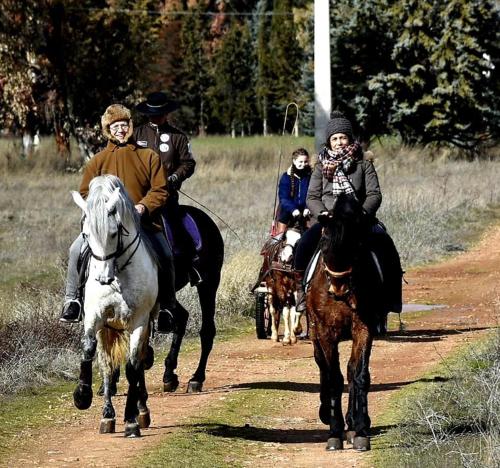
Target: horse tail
[113,347]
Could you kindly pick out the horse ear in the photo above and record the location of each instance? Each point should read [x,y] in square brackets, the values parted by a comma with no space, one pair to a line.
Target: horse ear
[113,200]
[79,200]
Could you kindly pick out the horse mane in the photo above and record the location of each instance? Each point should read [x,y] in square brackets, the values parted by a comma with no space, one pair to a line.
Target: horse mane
[346,218]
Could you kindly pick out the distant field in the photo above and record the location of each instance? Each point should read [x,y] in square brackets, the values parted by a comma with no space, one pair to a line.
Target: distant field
[431,206]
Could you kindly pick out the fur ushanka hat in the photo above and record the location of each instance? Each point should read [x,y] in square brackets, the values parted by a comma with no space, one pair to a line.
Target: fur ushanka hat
[338,123]
[114,113]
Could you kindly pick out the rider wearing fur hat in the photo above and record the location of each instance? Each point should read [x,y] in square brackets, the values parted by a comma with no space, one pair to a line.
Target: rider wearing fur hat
[142,174]
[342,169]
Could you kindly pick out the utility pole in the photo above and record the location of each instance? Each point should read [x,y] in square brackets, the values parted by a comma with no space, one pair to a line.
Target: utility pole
[322,72]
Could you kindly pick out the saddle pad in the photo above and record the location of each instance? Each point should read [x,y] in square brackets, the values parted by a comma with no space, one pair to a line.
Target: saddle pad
[191,228]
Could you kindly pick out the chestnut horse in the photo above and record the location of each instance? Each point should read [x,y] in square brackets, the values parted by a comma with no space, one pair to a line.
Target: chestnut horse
[343,302]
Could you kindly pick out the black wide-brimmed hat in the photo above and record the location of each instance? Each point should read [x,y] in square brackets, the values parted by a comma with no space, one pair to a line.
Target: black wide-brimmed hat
[157,104]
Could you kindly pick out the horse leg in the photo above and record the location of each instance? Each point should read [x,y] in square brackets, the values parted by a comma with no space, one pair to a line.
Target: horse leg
[115,377]
[358,420]
[296,326]
[108,412]
[134,370]
[286,319]
[144,418]
[170,379]
[206,293]
[274,313]
[331,386]
[82,396]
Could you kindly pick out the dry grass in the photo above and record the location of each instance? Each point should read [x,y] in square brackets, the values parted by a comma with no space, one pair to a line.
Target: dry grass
[455,421]
[431,206]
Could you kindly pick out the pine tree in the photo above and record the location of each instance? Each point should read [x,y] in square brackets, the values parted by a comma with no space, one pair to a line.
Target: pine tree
[232,90]
[264,66]
[443,86]
[360,48]
[284,59]
[193,80]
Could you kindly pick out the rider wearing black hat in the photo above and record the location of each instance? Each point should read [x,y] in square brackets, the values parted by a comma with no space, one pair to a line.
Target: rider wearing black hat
[175,153]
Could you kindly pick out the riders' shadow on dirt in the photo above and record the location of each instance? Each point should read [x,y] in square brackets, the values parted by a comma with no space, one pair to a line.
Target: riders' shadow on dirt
[262,434]
[421,336]
[313,387]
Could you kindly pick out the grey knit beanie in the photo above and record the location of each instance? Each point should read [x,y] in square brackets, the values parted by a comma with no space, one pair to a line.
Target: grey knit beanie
[338,123]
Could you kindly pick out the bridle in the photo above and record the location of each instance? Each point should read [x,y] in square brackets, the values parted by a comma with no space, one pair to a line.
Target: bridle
[120,250]
[348,295]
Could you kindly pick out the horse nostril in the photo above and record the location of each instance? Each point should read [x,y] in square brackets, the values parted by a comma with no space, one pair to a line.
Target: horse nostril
[106,280]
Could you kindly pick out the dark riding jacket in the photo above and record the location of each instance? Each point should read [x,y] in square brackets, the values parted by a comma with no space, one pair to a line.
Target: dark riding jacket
[363,179]
[298,202]
[171,144]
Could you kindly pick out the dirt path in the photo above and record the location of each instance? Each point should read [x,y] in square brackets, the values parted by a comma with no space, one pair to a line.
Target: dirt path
[469,286]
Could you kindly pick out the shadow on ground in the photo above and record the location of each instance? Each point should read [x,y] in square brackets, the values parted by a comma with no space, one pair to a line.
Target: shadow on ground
[262,434]
[420,336]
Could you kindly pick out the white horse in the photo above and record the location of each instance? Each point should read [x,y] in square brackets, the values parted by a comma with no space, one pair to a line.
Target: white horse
[120,300]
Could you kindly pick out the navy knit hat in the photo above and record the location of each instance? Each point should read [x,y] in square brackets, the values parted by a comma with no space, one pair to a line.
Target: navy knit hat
[338,123]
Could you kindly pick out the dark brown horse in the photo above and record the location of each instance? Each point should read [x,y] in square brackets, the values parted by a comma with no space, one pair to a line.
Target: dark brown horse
[210,266]
[342,302]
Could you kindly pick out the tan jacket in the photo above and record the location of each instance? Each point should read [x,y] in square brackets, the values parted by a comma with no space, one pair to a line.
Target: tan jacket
[140,171]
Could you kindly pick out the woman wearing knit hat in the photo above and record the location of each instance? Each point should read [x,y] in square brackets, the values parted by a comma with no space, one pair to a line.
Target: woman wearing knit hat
[342,169]
[141,173]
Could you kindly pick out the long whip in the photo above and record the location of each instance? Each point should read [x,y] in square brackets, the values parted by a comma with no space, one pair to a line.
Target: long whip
[211,212]
[281,152]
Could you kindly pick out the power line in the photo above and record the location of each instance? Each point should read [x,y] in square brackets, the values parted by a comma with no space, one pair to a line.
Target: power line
[193,13]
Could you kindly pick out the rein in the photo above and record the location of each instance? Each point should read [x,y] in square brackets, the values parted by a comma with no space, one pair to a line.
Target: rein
[337,274]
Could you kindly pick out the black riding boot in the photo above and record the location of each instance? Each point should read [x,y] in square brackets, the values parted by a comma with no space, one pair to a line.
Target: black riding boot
[301,296]
[71,311]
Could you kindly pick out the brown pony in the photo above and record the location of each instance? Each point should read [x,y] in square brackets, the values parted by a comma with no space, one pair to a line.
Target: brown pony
[281,289]
[342,302]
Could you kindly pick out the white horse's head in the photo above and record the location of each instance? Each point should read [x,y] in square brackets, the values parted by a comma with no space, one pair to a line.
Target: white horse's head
[291,238]
[109,216]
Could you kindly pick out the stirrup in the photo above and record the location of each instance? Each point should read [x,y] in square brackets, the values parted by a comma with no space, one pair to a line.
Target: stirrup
[194,277]
[71,317]
[166,321]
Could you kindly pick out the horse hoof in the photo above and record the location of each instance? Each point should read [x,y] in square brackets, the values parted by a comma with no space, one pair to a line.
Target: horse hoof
[82,397]
[361,444]
[334,443]
[293,340]
[144,420]
[150,358]
[286,342]
[171,385]
[107,426]
[194,387]
[349,436]
[132,430]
